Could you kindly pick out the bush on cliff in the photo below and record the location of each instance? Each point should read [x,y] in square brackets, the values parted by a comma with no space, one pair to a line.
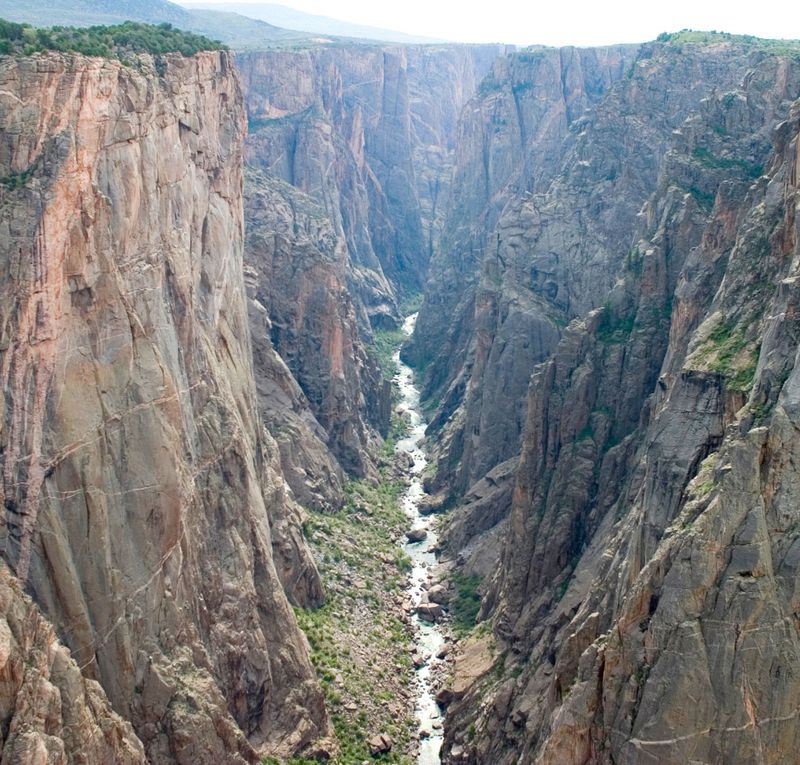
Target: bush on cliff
[106,41]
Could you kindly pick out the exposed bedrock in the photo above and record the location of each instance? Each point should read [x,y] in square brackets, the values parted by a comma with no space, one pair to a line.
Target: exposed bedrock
[644,607]
[145,509]
[367,132]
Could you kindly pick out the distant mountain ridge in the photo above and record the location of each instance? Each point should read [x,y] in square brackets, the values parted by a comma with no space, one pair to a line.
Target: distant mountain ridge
[85,12]
[291,18]
[231,28]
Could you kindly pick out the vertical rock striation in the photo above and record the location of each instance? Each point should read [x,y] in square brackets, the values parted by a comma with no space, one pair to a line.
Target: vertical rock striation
[367,133]
[144,505]
[559,232]
[50,712]
[298,268]
[511,143]
[350,149]
[648,558]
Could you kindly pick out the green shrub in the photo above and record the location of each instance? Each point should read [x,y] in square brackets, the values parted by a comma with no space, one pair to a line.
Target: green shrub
[465,605]
[104,41]
[384,346]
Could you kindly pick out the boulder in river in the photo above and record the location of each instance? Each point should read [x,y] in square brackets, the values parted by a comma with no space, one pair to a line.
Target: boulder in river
[430,611]
[416,535]
[444,696]
[438,594]
[429,505]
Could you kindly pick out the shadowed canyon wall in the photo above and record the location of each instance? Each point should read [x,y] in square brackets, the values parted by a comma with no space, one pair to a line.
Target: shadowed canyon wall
[647,558]
[367,132]
[607,243]
[350,150]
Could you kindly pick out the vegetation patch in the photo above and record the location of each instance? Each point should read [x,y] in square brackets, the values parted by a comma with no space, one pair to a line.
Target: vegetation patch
[703,482]
[384,346]
[614,329]
[531,55]
[105,41]
[705,199]
[727,343]
[489,85]
[398,428]
[361,639]
[465,605]
[699,37]
[728,351]
[709,160]
[742,379]
[14,181]
[634,261]
[257,123]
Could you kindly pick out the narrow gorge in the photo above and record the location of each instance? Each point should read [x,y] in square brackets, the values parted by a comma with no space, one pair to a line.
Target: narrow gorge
[403,403]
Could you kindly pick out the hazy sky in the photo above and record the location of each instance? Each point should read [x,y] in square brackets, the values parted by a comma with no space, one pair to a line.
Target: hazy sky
[559,22]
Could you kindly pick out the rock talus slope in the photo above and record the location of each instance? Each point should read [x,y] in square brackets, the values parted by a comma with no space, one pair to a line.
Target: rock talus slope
[144,507]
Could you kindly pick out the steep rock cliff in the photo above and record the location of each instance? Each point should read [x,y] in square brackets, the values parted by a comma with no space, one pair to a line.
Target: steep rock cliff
[299,269]
[50,712]
[511,142]
[349,150]
[143,501]
[649,557]
[367,133]
[565,230]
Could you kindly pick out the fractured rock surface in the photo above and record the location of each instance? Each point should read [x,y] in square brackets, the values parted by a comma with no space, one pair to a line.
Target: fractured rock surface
[647,559]
[143,500]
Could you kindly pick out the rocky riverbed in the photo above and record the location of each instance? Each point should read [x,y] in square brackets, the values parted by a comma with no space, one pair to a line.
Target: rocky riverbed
[427,600]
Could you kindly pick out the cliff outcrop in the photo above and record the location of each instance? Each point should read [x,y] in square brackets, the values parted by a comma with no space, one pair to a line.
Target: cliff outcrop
[367,133]
[50,712]
[350,151]
[298,267]
[144,505]
[648,554]
[561,227]
[511,142]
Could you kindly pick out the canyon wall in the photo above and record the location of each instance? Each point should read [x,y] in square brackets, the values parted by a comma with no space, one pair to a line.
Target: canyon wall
[644,608]
[510,145]
[298,269]
[555,234]
[144,505]
[608,244]
[367,132]
[349,154]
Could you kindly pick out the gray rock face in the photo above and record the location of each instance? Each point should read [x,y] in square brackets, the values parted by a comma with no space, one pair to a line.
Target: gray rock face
[299,274]
[648,553]
[511,142]
[143,500]
[50,712]
[554,236]
[367,133]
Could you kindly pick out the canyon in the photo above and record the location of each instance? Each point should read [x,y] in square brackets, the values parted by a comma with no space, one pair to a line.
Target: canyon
[207,265]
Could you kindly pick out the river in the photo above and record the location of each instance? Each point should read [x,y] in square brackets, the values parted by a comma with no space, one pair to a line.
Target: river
[428,637]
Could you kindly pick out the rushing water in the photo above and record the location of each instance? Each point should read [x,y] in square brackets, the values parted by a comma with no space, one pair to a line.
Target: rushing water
[428,638]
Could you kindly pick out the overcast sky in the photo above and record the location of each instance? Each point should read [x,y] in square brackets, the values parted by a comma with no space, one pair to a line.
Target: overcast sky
[560,22]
